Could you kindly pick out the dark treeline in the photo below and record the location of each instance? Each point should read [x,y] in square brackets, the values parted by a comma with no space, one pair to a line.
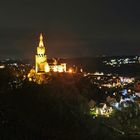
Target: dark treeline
[54,111]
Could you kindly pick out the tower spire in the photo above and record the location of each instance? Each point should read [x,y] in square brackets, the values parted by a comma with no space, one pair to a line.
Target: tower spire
[41,44]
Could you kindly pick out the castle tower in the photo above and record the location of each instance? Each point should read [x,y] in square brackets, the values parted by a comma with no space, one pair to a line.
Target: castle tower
[41,64]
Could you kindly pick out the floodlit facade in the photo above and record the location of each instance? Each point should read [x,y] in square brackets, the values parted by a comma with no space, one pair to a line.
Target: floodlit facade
[41,64]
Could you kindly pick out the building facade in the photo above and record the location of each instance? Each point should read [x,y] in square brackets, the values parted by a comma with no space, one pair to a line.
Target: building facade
[41,64]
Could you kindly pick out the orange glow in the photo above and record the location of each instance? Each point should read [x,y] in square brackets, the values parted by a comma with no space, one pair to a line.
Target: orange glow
[41,44]
[70,71]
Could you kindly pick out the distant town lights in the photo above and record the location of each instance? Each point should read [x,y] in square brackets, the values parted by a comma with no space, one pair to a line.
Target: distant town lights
[2,67]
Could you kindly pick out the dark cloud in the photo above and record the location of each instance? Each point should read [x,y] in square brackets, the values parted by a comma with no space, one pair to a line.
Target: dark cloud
[71,28]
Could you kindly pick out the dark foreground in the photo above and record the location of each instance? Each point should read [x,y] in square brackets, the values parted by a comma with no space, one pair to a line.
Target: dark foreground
[54,111]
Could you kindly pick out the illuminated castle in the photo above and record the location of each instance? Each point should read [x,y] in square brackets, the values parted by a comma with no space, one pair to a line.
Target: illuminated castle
[41,64]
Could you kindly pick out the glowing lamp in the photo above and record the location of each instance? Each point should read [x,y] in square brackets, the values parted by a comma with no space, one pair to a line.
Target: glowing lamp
[30,79]
[70,71]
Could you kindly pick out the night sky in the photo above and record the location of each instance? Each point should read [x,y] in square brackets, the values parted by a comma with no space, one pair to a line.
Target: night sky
[71,28]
